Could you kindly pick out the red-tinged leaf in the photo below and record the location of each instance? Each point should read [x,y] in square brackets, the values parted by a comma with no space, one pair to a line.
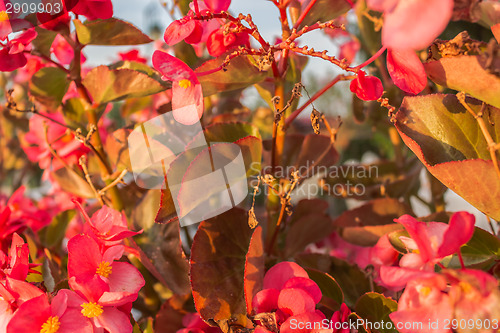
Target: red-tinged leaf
[117,149]
[309,151]
[324,10]
[72,182]
[48,86]
[167,212]
[111,31]
[254,268]
[160,246]
[307,230]
[470,74]
[105,85]
[169,317]
[496,31]
[240,73]
[449,142]
[406,70]
[366,224]
[375,308]
[329,288]
[367,88]
[218,257]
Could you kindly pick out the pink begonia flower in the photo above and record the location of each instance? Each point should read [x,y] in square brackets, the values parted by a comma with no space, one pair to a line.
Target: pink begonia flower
[88,263]
[23,209]
[186,89]
[57,21]
[63,51]
[424,299]
[367,88]
[64,144]
[288,292]
[132,55]
[37,315]
[219,42]
[94,9]
[102,309]
[406,70]
[16,264]
[475,295]
[412,24]
[217,6]
[194,324]
[428,245]
[309,322]
[12,54]
[496,31]
[349,50]
[107,225]
[341,316]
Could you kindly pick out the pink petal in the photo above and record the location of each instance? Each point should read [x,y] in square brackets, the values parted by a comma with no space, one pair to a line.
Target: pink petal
[496,31]
[73,321]
[89,288]
[19,258]
[10,62]
[406,70]
[411,260]
[59,304]
[105,218]
[277,275]
[125,278]
[294,301]
[117,298]
[22,291]
[187,103]
[306,284]
[396,278]
[73,300]
[178,31]
[418,232]
[84,256]
[114,321]
[382,5]
[383,253]
[367,88]
[266,300]
[217,6]
[172,68]
[30,316]
[414,24]
[300,323]
[349,50]
[113,253]
[459,232]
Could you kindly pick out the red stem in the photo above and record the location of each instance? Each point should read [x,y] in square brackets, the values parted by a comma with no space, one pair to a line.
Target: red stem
[312,99]
[372,58]
[304,14]
[461,259]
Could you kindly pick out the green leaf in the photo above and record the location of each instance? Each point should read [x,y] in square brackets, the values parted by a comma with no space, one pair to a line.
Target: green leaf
[48,86]
[328,286]
[74,113]
[240,73]
[325,10]
[218,257]
[395,240]
[350,278]
[107,85]
[471,74]
[160,245]
[449,142]
[43,41]
[366,224]
[54,233]
[72,182]
[375,308]
[254,268]
[483,248]
[111,31]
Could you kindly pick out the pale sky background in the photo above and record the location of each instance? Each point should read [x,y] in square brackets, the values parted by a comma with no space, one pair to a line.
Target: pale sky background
[143,13]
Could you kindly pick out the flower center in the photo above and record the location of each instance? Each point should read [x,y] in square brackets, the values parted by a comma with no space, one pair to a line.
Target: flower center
[185,83]
[466,287]
[4,16]
[91,309]
[51,325]
[425,291]
[104,269]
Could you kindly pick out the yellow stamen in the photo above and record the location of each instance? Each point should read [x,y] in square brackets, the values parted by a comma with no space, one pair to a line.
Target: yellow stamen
[104,269]
[91,309]
[185,83]
[466,287]
[425,291]
[4,16]
[51,325]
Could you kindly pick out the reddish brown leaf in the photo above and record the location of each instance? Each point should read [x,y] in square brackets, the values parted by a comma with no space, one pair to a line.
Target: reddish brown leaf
[254,268]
